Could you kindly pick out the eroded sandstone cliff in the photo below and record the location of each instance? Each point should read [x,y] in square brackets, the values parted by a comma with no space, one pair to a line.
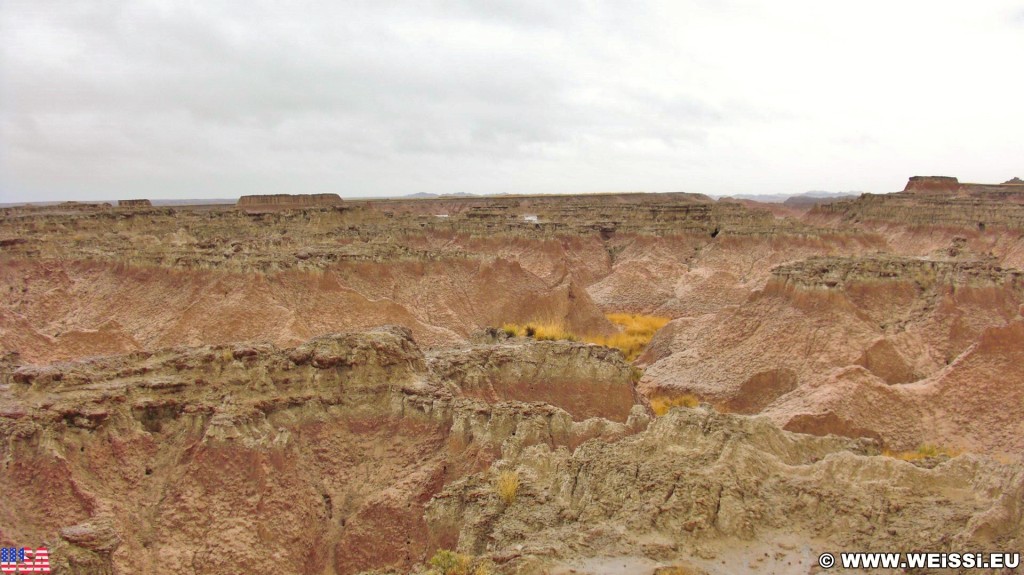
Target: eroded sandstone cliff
[356,451]
[176,380]
[245,458]
[859,347]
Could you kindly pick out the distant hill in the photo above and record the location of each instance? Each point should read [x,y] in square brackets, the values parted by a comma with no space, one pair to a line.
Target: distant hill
[427,195]
[796,200]
[188,202]
[813,198]
[194,202]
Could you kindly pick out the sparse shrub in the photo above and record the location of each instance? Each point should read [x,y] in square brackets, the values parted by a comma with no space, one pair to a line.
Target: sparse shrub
[925,277]
[227,355]
[507,486]
[925,451]
[635,374]
[662,404]
[637,331]
[446,562]
[636,324]
[552,332]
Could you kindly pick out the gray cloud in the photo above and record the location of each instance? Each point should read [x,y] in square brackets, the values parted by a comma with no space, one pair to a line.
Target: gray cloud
[106,98]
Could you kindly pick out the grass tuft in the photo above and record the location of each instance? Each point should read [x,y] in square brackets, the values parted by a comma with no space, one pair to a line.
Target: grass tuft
[925,451]
[635,332]
[446,562]
[507,486]
[551,332]
[662,404]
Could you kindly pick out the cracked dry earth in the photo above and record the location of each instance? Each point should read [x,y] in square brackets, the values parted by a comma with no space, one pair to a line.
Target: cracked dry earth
[313,389]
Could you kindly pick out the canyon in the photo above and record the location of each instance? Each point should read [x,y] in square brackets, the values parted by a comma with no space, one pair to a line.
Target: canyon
[306,384]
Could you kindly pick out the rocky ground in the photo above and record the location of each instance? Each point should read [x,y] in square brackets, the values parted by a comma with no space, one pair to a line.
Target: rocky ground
[207,389]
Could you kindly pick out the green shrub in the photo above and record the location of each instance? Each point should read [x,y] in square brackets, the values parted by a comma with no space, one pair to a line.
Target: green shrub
[446,562]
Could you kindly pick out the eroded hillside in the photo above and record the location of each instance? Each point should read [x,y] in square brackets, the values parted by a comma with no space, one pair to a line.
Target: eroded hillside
[357,451]
[207,389]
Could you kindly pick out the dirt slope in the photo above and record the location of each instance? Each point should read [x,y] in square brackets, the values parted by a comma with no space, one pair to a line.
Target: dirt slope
[65,311]
[858,346]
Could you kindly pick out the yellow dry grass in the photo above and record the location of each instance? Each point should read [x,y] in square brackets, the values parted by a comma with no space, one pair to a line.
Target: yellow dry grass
[446,562]
[635,332]
[541,331]
[507,486]
[550,331]
[662,404]
[923,452]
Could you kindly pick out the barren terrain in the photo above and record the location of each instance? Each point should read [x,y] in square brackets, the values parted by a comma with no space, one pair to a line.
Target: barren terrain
[322,386]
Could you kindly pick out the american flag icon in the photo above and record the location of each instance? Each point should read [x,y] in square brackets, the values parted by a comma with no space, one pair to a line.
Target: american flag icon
[24,560]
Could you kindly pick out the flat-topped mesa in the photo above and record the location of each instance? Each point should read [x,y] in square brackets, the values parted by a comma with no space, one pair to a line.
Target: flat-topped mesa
[932,185]
[287,201]
[838,272]
[142,203]
[945,185]
[78,206]
[935,202]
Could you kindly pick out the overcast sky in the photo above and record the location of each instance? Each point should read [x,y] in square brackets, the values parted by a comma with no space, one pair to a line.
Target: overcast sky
[108,99]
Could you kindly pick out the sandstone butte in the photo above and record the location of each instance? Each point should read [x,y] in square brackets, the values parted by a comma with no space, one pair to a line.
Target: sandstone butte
[296,384]
[287,201]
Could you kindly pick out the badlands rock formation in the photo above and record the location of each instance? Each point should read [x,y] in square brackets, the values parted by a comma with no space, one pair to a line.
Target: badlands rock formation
[355,451]
[932,184]
[987,219]
[207,389]
[723,494]
[287,201]
[65,310]
[862,347]
[248,457]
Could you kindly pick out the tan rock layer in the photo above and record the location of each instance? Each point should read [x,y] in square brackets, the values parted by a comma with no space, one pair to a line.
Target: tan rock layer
[701,488]
[349,453]
[288,201]
[239,458]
